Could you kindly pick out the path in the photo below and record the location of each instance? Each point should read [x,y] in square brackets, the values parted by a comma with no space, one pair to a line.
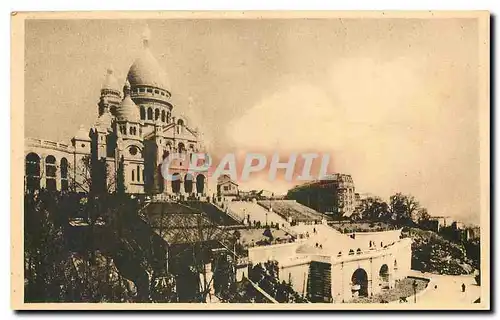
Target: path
[448,291]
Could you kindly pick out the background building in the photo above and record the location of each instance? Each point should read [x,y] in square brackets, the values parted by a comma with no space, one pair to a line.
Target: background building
[226,186]
[333,195]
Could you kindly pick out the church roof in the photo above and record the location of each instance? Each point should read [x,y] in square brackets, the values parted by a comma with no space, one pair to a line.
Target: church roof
[146,70]
[110,81]
[104,121]
[128,110]
[82,134]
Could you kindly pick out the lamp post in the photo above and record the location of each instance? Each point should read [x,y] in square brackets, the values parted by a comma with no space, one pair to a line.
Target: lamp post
[414,291]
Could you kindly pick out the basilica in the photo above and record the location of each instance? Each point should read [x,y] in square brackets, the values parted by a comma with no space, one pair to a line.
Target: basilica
[135,130]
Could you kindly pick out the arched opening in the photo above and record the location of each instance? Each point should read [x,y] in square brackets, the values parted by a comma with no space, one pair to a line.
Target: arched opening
[64,174]
[384,276]
[50,173]
[180,125]
[157,114]
[150,114]
[163,116]
[395,265]
[166,153]
[359,282]
[358,251]
[32,171]
[181,148]
[143,113]
[176,183]
[200,183]
[351,252]
[188,183]
[133,174]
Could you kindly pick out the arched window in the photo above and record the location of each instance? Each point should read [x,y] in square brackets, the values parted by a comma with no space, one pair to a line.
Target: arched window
[163,116]
[157,114]
[138,173]
[143,113]
[150,114]
[32,171]
[166,153]
[358,251]
[181,148]
[64,174]
[180,125]
[168,117]
[133,174]
[131,130]
[50,173]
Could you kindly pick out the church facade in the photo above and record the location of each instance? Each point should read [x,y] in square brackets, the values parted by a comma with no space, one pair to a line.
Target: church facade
[136,129]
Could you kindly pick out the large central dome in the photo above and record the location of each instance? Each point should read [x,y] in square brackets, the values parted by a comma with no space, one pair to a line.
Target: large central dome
[146,71]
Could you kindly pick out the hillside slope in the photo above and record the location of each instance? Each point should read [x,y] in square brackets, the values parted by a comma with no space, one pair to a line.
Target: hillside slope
[432,253]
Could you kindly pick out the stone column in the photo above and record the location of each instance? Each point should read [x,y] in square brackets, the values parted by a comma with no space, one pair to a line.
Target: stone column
[58,174]
[43,172]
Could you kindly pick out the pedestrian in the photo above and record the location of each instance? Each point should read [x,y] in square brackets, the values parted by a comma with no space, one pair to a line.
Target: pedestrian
[463,287]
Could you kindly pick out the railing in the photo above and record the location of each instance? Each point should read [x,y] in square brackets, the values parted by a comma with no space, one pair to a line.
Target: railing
[49,144]
[265,294]
[363,253]
[229,212]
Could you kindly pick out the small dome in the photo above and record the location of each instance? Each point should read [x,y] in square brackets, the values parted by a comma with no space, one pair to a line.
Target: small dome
[104,121]
[128,110]
[146,70]
[82,134]
[110,81]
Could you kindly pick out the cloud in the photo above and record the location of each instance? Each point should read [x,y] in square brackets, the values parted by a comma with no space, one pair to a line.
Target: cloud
[393,125]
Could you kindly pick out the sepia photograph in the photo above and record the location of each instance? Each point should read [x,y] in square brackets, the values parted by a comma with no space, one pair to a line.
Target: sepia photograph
[335,160]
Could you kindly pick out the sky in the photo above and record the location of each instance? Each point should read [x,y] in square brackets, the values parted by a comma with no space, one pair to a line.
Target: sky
[393,101]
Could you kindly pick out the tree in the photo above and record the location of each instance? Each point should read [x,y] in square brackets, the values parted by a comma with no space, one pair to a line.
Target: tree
[266,277]
[55,271]
[96,176]
[372,208]
[46,260]
[422,215]
[120,178]
[403,208]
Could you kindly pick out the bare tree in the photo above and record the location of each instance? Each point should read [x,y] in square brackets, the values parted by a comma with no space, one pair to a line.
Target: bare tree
[404,208]
[94,175]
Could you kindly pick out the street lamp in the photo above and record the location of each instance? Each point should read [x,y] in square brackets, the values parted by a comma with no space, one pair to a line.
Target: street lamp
[415,291]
